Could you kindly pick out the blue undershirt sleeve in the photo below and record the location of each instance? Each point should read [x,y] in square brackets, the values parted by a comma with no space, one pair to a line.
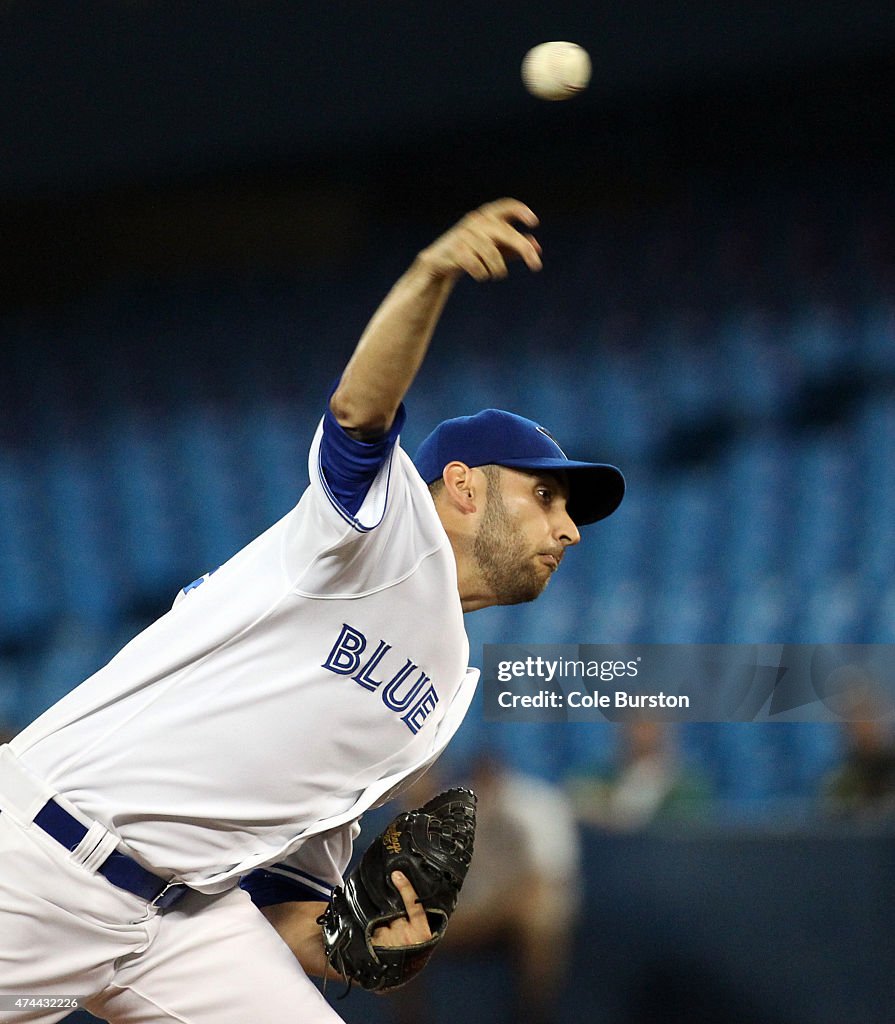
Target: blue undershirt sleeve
[350,466]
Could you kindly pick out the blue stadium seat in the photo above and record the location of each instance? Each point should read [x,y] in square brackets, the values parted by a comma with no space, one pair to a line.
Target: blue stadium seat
[823,519]
[11,694]
[876,338]
[624,417]
[759,374]
[276,439]
[874,488]
[823,340]
[690,513]
[617,611]
[150,543]
[83,564]
[760,609]
[758,507]
[746,767]
[880,614]
[819,749]
[208,484]
[77,649]
[832,612]
[25,599]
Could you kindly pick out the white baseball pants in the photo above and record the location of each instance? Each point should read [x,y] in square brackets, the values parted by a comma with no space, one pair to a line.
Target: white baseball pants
[66,931]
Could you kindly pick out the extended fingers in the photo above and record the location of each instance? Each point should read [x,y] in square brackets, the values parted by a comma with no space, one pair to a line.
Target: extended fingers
[484,241]
[409,930]
[511,209]
[492,239]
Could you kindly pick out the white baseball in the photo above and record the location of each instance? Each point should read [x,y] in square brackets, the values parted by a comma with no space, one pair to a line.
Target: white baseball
[556,70]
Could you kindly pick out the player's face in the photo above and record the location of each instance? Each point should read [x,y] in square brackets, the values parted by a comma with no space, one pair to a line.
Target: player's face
[524,532]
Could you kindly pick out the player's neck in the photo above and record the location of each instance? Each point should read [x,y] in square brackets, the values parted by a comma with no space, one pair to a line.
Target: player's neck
[474,592]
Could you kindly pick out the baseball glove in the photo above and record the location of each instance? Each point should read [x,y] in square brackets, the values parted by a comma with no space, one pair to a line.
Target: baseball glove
[432,846]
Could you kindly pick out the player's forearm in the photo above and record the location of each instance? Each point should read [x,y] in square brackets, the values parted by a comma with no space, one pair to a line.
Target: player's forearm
[390,352]
[297,926]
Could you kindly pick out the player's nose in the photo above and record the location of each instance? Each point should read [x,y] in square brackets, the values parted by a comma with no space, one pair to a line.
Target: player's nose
[566,532]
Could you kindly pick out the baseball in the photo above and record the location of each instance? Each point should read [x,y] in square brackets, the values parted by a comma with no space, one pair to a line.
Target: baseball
[556,70]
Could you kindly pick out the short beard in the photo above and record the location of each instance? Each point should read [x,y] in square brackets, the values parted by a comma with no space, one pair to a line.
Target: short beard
[499,549]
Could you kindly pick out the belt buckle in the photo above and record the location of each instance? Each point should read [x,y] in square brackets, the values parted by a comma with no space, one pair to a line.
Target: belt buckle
[169,895]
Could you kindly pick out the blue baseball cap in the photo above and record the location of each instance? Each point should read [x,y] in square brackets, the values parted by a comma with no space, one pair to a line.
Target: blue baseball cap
[496,437]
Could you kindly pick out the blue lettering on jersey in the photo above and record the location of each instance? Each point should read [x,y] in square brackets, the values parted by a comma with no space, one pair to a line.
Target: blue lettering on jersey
[414,701]
[364,677]
[345,655]
[393,698]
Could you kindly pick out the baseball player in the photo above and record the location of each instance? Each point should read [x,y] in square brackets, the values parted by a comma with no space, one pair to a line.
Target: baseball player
[220,762]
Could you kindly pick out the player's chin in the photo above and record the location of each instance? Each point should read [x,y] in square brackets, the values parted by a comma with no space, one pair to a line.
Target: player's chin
[525,591]
[541,577]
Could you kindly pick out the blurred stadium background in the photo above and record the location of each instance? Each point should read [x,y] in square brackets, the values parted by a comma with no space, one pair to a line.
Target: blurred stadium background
[200,206]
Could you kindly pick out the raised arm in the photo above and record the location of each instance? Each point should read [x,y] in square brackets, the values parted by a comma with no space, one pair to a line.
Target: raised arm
[395,342]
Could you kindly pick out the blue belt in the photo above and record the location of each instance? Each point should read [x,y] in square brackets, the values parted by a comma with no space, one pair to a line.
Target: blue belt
[118,868]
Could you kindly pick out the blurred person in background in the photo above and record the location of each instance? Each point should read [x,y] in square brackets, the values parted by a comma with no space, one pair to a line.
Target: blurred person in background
[862,787]
[650,783]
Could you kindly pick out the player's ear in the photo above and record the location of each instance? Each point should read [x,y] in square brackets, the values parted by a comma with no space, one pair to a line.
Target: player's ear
[463,487]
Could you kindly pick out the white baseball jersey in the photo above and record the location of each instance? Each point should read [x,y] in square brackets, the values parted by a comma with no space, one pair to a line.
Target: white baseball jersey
[283,694]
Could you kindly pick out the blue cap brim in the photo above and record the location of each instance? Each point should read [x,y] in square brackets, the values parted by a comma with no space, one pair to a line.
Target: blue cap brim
[595,489]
